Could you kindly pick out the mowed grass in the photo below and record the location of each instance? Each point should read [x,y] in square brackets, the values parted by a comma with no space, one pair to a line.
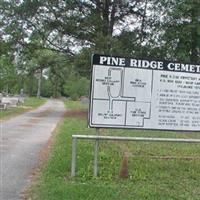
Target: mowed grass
[30,103]
[75,105]
[157,171]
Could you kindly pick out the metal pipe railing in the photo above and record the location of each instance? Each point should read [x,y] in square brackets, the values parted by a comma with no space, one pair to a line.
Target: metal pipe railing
[97,138]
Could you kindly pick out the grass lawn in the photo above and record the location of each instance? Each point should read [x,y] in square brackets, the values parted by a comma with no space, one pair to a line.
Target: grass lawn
[157,171]
[75,105]
[30,103]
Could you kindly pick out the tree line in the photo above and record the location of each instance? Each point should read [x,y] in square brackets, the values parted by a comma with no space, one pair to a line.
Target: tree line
[46,45]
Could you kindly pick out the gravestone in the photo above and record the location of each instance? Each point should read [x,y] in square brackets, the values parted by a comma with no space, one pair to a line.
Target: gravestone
[84,100]
[1,95]
[10,101]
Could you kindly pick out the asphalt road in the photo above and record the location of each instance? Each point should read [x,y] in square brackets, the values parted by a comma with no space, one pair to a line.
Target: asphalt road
[22,139]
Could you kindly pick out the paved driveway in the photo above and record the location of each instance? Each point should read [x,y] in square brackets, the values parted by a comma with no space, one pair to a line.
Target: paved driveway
[22,138]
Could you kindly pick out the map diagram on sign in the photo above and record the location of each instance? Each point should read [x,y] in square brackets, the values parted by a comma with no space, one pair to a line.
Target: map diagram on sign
[120,96]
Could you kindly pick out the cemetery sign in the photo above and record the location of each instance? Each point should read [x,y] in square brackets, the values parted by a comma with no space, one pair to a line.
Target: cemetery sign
[144,94]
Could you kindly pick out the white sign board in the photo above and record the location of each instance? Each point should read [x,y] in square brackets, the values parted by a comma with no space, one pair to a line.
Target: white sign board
[144,94]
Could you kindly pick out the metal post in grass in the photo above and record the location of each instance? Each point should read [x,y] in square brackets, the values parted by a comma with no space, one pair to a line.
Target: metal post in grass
[96,152]
[73,165]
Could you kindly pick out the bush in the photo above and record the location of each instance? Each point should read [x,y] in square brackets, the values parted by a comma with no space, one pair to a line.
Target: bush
[76,87]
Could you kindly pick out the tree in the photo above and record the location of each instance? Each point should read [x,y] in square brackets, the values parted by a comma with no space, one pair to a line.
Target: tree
[180,25]
[54,66]
[8,75]
[61,24]
[57,38]
[76,87]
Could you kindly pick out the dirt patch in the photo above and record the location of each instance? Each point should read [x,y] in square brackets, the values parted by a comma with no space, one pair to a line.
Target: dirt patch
[42,158]
[35,175]
[188,158]
[31,122]
[36,119]
[26,125]
[77,114]
[44,154]
[44,113]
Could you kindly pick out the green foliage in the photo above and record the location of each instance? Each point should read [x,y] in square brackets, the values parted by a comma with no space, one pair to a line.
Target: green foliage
[59,37]
[47,88]
[181,25]
[55,68]
[76,87]
[82,62]
[8,75]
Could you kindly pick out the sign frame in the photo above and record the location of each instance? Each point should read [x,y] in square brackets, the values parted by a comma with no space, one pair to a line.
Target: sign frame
[114,126]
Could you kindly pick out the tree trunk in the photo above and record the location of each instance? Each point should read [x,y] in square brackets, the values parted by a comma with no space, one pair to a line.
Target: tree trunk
[142,33]
[56,89]
[39,84]
[194,34]
[30,84]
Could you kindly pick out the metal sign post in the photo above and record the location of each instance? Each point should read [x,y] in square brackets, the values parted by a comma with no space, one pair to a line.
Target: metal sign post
[73,164]
[96,153]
